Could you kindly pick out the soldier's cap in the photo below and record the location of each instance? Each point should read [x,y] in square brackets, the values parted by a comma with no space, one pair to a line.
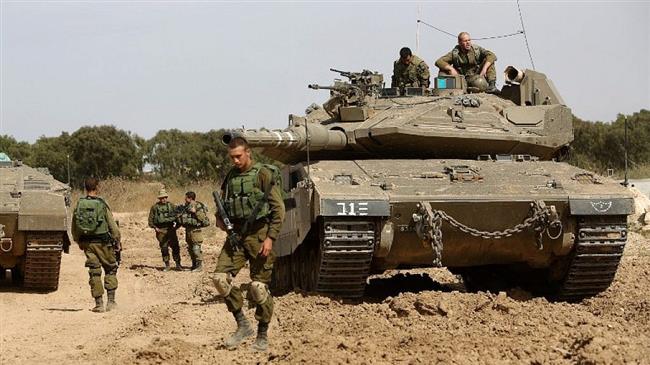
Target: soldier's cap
[162,194]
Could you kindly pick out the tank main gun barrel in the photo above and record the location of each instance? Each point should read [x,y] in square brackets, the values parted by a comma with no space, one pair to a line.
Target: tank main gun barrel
[292,138]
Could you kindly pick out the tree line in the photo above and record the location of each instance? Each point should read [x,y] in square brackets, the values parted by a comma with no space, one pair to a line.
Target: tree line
[177,157]
[600,146]
[173,156]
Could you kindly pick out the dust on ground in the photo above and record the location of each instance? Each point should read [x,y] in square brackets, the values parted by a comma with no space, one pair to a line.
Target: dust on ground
[420,316]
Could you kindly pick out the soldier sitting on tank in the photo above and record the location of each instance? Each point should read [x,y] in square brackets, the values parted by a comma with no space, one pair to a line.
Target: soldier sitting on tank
[473,61]
[409,70]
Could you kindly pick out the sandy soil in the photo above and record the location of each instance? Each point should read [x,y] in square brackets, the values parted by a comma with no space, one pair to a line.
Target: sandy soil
[174,318]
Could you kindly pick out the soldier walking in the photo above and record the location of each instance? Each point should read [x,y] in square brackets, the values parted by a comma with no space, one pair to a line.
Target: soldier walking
[96,233]
[194,216]
[162,218]
[249,188]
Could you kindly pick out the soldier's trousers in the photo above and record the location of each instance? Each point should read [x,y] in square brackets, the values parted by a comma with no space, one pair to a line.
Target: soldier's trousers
[490,75]
[261,268]
[98,256]
[194,238]
[167,239]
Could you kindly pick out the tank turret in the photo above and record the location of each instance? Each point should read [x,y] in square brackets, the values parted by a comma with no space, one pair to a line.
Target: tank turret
[364,120]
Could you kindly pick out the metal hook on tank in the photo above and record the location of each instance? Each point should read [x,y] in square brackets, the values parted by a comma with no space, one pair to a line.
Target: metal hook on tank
[2,244]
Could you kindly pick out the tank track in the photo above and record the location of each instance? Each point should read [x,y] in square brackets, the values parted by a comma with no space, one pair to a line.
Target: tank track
[599,248]
[347,248]
[43,260]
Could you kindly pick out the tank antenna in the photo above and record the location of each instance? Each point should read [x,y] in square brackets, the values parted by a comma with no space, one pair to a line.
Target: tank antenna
[523,29]
[308,163]
[625,182]
[417,31]
[68,162]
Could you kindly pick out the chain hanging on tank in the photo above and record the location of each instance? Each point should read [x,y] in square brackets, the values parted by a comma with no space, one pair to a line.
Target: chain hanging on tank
[428,224]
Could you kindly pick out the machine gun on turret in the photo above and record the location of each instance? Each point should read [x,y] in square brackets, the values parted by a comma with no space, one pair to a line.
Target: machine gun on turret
[355,93]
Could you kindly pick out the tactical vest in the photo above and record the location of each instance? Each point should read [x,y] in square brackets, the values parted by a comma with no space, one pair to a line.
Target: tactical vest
[163,214]
[190,220]
[243,193]
[464,67]
[408,74]
[90,218]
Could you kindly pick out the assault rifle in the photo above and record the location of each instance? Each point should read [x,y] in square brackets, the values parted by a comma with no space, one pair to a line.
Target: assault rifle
[117,246]
[179,210]
[231,236]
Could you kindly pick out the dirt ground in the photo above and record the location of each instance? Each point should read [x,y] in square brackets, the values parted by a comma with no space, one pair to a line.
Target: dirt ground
[174,318]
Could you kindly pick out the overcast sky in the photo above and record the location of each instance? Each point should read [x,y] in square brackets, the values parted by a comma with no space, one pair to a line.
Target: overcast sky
[201,65]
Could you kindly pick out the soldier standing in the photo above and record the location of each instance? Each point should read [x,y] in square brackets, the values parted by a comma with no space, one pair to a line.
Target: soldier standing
[96,233]
[194,216]
[249,187]
[409,70]
[161,219]
[470,60]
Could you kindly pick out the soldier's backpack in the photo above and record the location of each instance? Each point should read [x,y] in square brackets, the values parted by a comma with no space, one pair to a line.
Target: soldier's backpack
[90,217]
[205,222]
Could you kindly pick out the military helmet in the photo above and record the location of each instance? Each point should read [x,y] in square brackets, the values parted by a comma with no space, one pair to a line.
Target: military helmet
[477,83]
[162,193]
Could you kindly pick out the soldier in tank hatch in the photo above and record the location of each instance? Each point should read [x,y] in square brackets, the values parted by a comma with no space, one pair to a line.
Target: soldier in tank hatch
[409,70]
[473,61]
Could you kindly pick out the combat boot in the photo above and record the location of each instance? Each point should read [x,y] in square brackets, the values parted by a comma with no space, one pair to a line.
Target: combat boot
[110,305]
[198,266]
[261,342]
[167,267]
[243,330]
[99,305]
[492,87]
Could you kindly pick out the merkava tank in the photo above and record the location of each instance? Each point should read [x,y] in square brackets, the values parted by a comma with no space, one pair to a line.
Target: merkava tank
[33,225]
[386,178]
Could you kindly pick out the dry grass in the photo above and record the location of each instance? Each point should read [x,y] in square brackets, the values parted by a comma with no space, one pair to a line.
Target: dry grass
[136,196]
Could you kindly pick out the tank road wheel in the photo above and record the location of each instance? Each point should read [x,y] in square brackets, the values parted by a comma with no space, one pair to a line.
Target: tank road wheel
[43,260]
[282,278]
[310,263]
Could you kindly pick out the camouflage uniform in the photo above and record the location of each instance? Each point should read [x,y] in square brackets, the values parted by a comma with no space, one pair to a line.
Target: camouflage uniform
[469,63]
[415,74]
[161,216]
[231,260]
[193,222]
[99,253]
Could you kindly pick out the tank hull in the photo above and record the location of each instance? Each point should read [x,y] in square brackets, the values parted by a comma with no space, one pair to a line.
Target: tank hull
[370,209]
[34,222]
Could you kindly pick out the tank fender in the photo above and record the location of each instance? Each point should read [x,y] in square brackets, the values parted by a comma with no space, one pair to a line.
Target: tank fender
[601,206]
